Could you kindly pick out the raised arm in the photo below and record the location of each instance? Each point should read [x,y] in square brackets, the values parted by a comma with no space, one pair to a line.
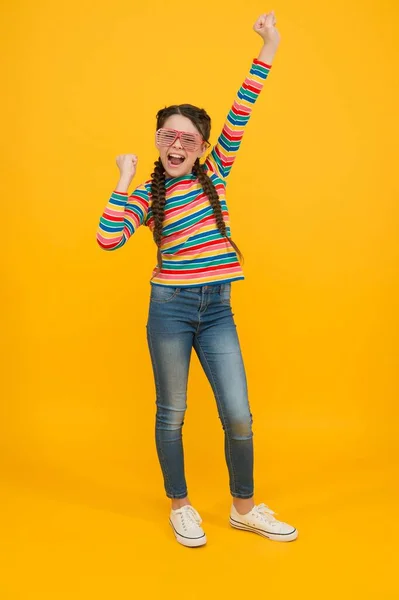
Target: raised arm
[123,214]
[223,154]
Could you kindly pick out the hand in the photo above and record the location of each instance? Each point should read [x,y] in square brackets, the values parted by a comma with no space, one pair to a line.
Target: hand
[265,27]
[127,164]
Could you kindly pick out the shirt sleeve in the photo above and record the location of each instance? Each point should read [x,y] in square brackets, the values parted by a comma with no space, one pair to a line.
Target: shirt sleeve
[122,216]
[222,156]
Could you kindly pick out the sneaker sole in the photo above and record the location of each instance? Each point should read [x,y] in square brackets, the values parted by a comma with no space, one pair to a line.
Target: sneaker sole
[189,542]
[278,537]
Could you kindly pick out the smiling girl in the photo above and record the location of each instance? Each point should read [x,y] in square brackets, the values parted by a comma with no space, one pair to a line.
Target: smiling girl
[184,206]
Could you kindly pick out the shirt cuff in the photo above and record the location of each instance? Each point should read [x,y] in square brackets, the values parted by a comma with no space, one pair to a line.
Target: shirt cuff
[263,64]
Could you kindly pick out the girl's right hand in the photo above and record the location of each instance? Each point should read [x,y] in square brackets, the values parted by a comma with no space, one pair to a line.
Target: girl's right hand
[127,164]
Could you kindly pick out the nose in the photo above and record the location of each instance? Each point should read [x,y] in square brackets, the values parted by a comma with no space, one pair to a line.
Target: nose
[177,144]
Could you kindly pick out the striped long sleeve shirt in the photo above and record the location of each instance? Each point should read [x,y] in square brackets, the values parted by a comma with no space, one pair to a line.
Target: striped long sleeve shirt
[194,253]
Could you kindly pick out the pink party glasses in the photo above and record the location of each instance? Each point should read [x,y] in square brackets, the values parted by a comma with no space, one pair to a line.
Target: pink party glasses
[189,141]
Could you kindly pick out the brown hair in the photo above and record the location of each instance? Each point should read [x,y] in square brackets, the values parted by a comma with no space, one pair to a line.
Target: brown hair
[202,122]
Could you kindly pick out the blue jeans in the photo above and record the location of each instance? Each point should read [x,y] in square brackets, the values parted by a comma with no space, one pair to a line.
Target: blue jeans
[182,318]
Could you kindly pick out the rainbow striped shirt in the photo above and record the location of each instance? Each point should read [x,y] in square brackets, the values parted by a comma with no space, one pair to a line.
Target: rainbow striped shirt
[194,253]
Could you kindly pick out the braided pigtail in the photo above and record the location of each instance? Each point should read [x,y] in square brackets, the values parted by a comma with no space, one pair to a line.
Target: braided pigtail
[158,196]
[213,196]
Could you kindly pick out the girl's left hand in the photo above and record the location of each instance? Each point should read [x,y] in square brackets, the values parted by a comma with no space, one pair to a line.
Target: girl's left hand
[265,26]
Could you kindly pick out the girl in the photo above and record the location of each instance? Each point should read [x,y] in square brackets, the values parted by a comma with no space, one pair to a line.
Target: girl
[184,206]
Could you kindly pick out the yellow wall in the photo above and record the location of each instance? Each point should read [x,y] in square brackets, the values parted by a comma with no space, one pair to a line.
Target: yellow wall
[313,198]
[313,203]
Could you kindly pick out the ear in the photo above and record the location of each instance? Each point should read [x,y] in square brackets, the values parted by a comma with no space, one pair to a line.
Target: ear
[204,148]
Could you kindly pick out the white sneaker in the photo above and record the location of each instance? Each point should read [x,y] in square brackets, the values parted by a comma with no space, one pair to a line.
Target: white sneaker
[186,523]
[260,520]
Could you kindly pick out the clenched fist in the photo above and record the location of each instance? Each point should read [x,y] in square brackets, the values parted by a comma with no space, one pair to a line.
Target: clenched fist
[265,26]
[127,164]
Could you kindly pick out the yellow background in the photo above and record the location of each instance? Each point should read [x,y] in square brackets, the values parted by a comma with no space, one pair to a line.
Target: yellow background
[313,198]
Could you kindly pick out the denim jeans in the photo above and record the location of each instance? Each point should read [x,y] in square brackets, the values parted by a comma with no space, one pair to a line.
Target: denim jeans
[180,319]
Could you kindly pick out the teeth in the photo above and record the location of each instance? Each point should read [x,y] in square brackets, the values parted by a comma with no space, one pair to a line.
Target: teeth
[176,155]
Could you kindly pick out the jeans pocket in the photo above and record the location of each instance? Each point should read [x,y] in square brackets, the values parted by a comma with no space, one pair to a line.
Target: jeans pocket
[225,293]
[162,294]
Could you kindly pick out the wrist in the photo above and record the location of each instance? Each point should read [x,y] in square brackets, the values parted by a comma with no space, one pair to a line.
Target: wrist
[123,184]
[267,53]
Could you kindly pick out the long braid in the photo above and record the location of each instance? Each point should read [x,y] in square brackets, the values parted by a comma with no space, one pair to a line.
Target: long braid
[211,192]
[158,196]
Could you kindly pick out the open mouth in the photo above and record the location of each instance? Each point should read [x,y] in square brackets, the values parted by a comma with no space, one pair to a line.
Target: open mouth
[175,160]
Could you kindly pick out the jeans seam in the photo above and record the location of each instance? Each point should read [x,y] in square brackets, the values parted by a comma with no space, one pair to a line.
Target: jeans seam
[223,414]
[222,301]
[175,293]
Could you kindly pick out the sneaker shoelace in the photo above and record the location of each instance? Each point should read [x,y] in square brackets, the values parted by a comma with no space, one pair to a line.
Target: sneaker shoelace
[265,513]
[190,517]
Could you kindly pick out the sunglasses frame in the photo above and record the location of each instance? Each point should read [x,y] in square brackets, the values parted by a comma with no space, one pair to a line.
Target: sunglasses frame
[178,135]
